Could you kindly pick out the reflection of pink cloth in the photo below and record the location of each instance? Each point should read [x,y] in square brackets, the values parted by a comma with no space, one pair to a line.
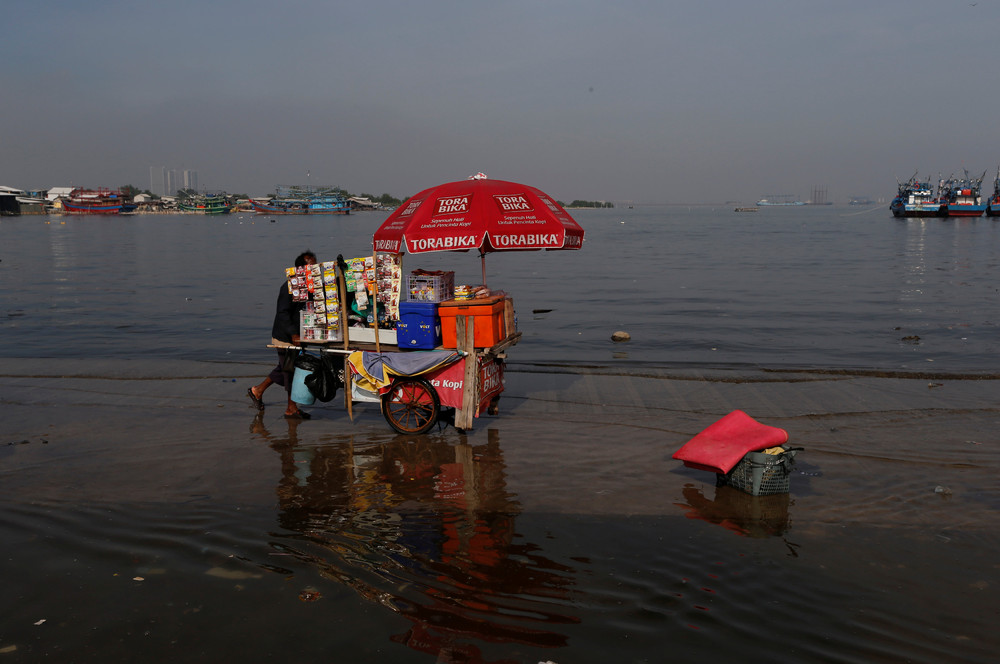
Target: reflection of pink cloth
[721,446]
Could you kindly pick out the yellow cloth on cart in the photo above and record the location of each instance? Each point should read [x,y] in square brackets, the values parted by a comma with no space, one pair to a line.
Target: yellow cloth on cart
[364,380]
[375,371]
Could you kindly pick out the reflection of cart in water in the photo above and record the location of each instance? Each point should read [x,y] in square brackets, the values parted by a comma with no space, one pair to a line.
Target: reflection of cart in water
[463,370]
[424,528]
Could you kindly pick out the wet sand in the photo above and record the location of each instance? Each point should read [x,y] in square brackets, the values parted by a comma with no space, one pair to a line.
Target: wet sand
[869,437]
[894,501]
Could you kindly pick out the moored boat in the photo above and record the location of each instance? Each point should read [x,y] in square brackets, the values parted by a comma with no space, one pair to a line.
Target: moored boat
[915,198]
[772,200]
[993,204]
[962,197]
[279,206]
[300,199]
[93,201]
[209,204]
[329,205]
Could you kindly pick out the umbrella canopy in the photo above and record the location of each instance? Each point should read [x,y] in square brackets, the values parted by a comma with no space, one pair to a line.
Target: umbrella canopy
[478,213]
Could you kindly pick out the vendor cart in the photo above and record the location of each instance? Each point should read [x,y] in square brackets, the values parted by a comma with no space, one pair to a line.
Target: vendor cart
[465,371]
[414,388]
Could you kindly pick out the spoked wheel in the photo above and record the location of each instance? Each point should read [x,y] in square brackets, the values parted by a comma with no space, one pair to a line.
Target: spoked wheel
[411,406]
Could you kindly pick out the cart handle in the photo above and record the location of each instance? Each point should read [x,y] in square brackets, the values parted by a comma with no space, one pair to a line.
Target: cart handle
[341,351]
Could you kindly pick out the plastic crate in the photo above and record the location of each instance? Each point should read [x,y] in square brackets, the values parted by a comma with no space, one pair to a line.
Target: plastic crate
[761,474]
[430,287]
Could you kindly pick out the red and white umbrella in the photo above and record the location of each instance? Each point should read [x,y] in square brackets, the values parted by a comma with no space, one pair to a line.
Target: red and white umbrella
[478,213]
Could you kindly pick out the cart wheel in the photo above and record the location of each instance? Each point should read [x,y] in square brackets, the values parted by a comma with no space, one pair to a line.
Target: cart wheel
[411,406]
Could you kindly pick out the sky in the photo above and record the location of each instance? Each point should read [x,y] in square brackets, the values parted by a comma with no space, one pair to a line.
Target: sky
[707,101]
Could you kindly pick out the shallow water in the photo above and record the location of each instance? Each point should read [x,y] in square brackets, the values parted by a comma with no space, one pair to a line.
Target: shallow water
[530,540]
[149,515]
[815,286]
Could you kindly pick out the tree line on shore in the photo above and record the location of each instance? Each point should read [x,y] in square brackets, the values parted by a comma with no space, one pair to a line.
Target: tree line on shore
[588,204]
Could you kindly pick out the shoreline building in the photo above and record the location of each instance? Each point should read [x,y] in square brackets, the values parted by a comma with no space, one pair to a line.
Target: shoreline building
[167,182]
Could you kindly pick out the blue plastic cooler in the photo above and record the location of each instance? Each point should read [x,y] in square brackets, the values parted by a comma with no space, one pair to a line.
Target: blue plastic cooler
[419,326]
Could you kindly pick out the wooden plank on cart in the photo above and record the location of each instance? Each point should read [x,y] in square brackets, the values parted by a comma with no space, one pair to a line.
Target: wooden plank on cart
[509,326]
[504,344]
[342,317]
[466,342]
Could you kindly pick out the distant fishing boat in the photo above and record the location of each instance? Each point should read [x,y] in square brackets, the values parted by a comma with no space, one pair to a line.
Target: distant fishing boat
[329,205]
[208,204]
[915,198]
[303,199]
[93,201]
[993,204]
[962,197]
[279,206]
[771,200]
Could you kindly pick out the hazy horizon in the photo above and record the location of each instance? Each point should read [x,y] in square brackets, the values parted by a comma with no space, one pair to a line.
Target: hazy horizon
[638,101]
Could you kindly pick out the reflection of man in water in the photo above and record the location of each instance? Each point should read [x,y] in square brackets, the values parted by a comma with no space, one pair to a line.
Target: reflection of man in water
[425,528]
[284,332]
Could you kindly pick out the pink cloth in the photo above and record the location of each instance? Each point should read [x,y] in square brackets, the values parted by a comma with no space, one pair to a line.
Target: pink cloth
[721,446]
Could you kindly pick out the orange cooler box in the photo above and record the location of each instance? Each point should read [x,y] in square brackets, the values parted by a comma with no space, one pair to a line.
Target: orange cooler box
[489,320]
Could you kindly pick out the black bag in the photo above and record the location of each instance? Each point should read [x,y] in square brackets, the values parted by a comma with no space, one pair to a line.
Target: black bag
[288,358]
[307,362]
[325,379]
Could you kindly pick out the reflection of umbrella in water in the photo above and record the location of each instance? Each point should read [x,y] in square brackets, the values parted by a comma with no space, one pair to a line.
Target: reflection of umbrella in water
[478,213]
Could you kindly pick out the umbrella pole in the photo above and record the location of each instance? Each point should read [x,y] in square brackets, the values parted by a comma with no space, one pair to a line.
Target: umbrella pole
[482,259]
[378,348]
